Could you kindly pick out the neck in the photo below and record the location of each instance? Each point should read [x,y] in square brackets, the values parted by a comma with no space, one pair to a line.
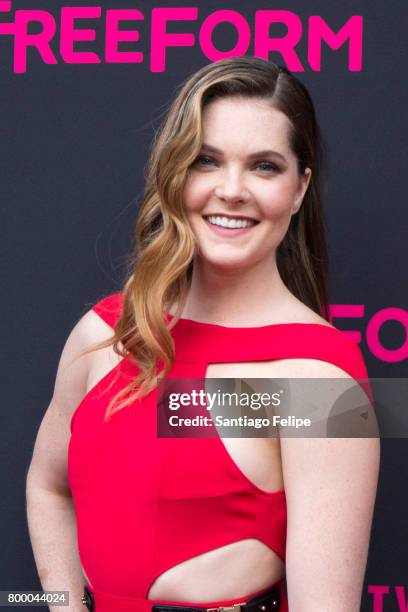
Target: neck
[238,296]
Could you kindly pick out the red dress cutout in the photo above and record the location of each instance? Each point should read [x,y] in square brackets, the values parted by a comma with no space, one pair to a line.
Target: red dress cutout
[145,504]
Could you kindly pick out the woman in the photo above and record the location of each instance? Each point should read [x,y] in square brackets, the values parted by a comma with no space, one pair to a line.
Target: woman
[228,280]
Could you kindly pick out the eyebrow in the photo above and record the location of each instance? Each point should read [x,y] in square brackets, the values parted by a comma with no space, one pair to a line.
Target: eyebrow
[212,149]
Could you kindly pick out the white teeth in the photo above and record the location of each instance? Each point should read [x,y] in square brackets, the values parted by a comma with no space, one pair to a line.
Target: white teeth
[230,223]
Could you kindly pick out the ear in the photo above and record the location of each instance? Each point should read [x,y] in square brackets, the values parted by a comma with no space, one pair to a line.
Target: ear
[304,181]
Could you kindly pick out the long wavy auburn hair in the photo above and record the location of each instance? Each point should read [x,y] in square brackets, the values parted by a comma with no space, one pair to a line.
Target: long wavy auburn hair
[161,267]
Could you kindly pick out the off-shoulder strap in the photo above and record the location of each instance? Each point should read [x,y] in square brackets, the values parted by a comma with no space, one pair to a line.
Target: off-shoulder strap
[347,355]
[340,350]
[109,308]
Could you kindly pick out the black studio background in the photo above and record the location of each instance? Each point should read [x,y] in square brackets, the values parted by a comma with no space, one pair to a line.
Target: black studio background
[74,143]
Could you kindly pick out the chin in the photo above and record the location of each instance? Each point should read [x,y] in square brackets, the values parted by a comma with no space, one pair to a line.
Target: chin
[227,263]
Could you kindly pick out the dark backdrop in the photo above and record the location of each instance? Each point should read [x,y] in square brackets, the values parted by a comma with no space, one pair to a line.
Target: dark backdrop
[74,141]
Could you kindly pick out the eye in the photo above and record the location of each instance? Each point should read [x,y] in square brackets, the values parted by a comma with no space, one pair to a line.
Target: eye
[268,166]
[203,160]
[264,166]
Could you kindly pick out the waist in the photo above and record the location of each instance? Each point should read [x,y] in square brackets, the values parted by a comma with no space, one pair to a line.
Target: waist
[103,602]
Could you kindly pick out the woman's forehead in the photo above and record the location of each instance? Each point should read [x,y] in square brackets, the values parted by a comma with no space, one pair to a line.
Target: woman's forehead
[252,124]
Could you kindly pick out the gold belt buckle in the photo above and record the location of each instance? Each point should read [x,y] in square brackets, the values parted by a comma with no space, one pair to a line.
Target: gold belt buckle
[233,608]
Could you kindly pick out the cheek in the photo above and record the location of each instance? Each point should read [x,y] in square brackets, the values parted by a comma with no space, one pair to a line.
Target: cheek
[276,211]
[277,201]
[194,194]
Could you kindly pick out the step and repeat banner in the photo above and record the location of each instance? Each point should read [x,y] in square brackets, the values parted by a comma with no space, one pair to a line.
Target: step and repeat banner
[84,85]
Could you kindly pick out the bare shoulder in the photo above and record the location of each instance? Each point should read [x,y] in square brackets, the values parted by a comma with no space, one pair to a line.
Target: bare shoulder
[77,360]
[90,329]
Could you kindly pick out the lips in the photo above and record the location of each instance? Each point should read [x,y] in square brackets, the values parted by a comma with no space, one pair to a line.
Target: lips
[230,228]
[228,224]
[236,217]
[241,222]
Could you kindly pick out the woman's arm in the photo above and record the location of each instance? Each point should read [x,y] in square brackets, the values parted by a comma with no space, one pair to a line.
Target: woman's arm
[330,488]
[50,512]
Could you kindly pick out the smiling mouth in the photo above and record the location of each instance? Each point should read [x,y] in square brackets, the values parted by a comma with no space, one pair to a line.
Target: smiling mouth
[230,222]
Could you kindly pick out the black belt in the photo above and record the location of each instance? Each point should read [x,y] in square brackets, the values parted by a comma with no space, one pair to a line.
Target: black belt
[270,601]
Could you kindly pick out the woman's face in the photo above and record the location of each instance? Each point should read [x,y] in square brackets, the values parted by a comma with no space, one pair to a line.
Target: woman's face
[245,178]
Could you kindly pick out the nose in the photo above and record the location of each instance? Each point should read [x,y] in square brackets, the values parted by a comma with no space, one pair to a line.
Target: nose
[231,187]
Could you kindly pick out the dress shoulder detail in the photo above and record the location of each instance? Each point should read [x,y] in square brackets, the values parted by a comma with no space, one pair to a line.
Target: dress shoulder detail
[109,308]
[343,351]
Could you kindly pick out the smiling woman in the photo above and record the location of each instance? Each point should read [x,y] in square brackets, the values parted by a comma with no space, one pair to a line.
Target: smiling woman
[228,280]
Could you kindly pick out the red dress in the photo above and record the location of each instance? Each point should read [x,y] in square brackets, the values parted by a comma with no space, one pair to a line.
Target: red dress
[145,504]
